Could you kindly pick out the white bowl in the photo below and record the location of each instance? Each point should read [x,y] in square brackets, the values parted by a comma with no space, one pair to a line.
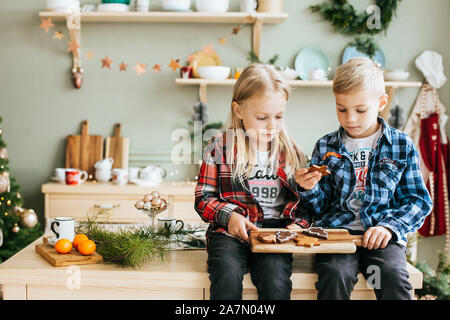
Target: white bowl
[214,72]
[288,73]
[176,5]
[113,7]
[395,75]
[212,6]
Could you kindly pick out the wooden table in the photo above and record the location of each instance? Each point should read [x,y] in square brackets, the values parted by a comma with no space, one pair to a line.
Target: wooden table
[26,275]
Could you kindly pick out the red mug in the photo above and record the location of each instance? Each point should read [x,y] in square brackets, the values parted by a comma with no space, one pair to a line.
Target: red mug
[75,176]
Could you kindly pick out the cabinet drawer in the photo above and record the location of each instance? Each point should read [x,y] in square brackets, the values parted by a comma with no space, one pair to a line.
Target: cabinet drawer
[78,206]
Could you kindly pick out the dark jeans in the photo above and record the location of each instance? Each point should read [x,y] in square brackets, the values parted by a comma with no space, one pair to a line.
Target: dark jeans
[229,260]
[384,269]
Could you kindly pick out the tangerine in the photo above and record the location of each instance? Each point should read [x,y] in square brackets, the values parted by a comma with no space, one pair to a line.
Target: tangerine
[78,239]
[63,246]
[86,247]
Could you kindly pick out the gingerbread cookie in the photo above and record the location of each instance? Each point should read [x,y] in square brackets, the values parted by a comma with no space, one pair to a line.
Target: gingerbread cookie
[285,236]
[316,232]
[267,237]
[306,241]
[322,169]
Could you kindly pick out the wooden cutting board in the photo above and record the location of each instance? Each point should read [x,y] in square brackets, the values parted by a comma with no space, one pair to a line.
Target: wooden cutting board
[83,151]
[60,260]
[117,147]
[339,241]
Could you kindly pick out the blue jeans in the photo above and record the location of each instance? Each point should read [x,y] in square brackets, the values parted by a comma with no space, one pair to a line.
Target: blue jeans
[229,260]
[385,270]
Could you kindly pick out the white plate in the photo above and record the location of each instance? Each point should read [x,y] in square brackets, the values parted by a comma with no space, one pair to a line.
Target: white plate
[113,7]
[57,180]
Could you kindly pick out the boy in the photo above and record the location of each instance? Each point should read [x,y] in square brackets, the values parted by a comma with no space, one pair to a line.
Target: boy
[375,188]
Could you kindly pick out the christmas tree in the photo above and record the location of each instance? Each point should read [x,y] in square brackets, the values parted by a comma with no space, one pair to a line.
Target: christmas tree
[18,226]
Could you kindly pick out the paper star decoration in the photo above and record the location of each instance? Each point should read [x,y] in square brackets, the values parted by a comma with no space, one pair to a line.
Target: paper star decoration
[208,49]
[73,46]
[248,18]
[157,67]
[123,66]
[174,64]
[58,35]
[222,40]
[140,68]
[46,23]
[106,62]
[89,55]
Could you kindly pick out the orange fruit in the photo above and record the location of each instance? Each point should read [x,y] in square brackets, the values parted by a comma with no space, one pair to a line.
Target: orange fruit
[86,247]
[63,246]
[78,239]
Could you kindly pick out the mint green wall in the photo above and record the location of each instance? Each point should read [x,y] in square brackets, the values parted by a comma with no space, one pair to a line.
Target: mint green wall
[40,107]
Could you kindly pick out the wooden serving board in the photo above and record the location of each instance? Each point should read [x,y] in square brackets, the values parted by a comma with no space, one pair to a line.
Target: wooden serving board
[117,147]
[68,259]
[83,151]
[339,241]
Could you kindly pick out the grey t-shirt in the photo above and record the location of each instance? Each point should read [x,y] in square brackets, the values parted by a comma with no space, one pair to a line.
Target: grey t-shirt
[360,151]
[265,187]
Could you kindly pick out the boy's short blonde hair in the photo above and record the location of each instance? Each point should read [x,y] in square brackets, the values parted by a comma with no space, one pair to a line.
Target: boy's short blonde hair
[359,74]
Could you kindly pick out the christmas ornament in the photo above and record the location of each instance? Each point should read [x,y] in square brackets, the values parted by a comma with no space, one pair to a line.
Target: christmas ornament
[8,203]
[77,77]
[1,236]
[18,210]
[16,228]
[3,154]
[106,62]
[28,218]
[4,183]
[46,23]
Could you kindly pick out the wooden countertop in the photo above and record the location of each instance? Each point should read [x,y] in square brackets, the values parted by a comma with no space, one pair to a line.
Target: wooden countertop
[183,269]
[165,187]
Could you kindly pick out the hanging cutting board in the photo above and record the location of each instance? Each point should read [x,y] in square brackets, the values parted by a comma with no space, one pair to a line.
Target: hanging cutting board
[83,151]
[339,241]
[56,259]
[117,147]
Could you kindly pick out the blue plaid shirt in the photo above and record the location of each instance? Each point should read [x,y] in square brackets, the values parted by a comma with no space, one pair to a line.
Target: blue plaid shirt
[395,196]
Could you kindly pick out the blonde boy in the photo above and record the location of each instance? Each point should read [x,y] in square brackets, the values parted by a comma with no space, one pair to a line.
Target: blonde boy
[375,188]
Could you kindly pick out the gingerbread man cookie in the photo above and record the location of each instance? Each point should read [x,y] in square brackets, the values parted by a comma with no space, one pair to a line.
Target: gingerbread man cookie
[307,241]
[322,169]
[267,237]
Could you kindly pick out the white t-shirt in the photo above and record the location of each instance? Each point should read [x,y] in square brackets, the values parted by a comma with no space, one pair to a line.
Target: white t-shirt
[360,151]
[265,187]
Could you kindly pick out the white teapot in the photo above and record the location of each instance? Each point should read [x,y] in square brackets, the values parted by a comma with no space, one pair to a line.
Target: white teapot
[105,164]
[152,173]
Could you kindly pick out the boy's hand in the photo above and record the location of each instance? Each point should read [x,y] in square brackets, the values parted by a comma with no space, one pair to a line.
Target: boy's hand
[307,180]
[238,225]
[376,238]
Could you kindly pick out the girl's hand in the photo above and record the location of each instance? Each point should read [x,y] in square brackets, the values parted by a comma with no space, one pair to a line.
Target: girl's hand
[307,180]
[238,225]
[376,238]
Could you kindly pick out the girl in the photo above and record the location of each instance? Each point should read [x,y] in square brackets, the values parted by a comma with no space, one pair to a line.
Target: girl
[246,181]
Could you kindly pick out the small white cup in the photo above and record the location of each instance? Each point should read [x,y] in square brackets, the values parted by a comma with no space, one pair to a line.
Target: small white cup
[60,174]
[171,223]
[317,74]
[63,228]
[249,6]
[120,176]
[102,175]
[133,173]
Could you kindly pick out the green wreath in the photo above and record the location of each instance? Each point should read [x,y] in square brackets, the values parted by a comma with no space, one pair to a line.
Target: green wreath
[345,19]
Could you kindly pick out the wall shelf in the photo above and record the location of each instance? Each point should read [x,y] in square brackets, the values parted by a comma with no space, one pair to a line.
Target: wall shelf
[391,86]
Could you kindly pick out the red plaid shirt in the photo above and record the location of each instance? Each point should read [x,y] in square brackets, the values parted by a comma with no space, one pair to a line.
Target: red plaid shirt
[217,194]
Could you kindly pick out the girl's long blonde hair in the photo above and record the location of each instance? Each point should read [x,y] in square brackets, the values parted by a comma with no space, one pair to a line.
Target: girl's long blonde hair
[255,81]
